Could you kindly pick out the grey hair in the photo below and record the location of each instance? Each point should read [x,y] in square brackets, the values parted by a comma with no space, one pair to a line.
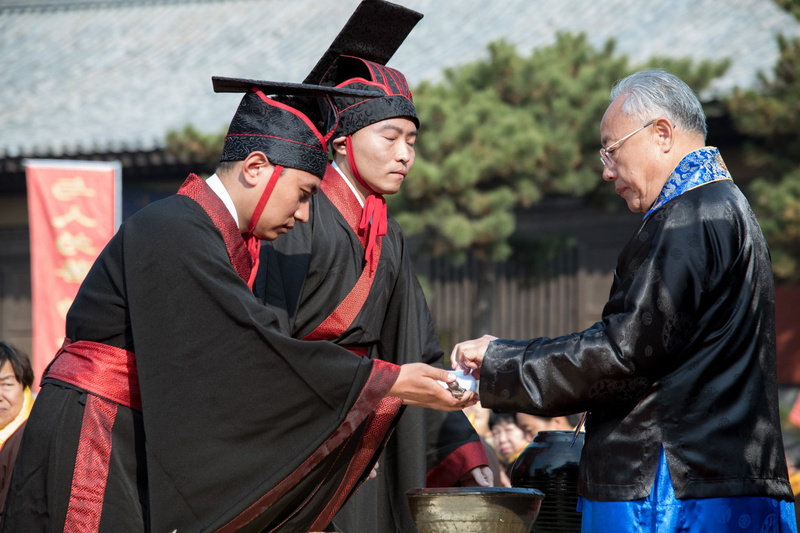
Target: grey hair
[654,92]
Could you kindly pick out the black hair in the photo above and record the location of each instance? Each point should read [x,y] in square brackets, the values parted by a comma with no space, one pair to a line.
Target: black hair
[225,166]
[20,362]
[495,417]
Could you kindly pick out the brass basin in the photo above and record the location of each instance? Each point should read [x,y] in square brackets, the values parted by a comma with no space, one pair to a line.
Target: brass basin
[474,509]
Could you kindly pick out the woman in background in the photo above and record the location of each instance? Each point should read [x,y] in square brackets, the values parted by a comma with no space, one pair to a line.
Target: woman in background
[16,401]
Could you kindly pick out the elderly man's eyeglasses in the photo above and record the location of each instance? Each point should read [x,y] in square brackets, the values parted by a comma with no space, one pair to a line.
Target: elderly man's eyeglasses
[605,153]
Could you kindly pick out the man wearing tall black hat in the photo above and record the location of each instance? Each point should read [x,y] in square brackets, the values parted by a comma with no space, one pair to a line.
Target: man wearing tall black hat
[347,277]
[174,404]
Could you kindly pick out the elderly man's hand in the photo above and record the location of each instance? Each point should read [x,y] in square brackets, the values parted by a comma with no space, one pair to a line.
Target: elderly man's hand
[417,385]
[469,354]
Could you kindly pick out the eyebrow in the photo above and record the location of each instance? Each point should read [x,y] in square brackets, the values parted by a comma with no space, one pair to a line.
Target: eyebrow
[398,129]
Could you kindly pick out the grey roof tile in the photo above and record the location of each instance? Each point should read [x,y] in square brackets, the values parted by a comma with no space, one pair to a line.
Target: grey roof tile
[122,73]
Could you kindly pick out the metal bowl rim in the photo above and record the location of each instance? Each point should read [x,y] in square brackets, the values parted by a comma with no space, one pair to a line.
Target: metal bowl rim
[456,491]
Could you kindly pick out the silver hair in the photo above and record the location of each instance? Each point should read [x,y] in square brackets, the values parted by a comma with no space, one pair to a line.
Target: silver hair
[655,91]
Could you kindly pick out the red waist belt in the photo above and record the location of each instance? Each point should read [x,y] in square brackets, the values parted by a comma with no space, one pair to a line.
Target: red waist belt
[100,369]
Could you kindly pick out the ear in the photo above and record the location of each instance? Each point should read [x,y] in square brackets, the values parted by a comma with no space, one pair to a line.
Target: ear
[666,134]
[340,146]
[253,165]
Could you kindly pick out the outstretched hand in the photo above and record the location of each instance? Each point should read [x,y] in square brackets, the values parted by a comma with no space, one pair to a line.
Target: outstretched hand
[469,354]
[417,385]
[480,476]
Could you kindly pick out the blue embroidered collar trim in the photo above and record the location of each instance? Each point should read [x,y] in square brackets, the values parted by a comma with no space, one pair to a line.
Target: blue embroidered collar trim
[697,168]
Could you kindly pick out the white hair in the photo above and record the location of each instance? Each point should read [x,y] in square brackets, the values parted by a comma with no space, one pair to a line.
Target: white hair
[654,92]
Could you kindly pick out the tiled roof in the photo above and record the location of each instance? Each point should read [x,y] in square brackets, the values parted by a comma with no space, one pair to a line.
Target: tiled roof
[77,74]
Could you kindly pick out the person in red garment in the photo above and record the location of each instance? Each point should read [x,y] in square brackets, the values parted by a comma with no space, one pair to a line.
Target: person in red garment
[347,277]
[175,404]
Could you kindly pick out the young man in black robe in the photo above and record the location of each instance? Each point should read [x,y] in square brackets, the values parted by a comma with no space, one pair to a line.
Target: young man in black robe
[678,376]
[347,277]
[174,404]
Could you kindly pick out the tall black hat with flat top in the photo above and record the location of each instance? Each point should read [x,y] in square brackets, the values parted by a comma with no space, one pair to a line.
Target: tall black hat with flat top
[292,128]
[357,60]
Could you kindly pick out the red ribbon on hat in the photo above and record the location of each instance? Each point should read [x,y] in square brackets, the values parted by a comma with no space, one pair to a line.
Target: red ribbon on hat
[373,217]
[253,242]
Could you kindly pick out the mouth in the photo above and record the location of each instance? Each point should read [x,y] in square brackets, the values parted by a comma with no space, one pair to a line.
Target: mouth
[621,190]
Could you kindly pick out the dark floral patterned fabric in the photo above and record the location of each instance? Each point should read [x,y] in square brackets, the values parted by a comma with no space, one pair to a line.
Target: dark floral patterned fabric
[287,136]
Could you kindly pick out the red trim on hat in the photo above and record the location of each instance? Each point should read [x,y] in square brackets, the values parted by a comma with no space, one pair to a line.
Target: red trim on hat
[385,87]
[323,139]
[400,81]
[372,70]
[377,84]
[366,101]
[383,72]
[272,137]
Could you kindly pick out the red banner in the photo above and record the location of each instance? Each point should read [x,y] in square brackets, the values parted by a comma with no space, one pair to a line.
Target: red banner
[74,208]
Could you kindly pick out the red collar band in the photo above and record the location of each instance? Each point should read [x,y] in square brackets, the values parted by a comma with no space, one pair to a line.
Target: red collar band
[374,216]
[254,243]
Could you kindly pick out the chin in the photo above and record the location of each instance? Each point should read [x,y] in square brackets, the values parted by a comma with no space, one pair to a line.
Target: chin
[390,190]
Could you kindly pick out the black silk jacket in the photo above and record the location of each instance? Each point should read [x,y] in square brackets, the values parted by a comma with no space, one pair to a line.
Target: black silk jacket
[683,358]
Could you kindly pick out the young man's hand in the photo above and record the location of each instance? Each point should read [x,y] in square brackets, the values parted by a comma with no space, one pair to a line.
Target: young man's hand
[418,384]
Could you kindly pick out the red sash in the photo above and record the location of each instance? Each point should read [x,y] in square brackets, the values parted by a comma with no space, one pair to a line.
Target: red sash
[109,375]
[98,368]
[339,193]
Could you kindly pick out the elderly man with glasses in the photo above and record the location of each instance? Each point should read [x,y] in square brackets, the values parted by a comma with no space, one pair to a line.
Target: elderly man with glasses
[678,375]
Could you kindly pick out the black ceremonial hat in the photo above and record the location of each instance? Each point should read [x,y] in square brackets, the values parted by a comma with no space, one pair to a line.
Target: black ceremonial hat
[374,32]
[356,59]
[393,98]
[292,129]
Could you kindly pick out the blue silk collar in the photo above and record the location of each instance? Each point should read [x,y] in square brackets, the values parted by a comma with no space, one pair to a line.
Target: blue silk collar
[697,168]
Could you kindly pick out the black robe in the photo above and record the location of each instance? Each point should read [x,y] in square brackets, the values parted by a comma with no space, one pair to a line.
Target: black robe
[307,273]
[683,358]
[231,409]
[8,456]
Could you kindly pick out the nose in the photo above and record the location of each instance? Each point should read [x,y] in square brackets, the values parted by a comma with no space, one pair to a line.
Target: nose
[609,173]
[404,152]
[302,212]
